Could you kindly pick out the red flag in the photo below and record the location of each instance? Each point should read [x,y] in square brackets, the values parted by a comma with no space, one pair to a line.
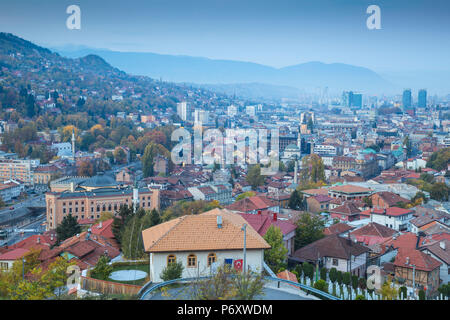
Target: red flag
[238,264]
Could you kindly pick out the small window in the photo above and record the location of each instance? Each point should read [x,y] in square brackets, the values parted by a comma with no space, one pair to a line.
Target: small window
[211,258]
[335,262]
[192,261]
[171,259]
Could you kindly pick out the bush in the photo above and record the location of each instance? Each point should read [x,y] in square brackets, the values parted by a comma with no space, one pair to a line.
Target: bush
[173,271]
[422,295]
[299,271]
[360,297]
[321,285]
[308,270]
[102,269]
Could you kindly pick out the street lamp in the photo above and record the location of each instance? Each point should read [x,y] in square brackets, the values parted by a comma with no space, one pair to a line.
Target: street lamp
[23,268]
[244,228]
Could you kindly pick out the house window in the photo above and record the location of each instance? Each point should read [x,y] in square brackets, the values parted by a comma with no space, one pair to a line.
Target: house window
[171,259]
[192,260]
[211,258]
[335,262]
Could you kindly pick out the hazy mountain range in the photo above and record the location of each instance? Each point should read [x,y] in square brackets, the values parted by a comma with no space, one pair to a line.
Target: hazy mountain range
[249,78]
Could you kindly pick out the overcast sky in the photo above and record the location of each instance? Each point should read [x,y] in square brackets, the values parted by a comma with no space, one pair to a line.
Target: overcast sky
[414,34]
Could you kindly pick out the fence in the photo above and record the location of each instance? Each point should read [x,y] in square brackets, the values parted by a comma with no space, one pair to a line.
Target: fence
[108,287]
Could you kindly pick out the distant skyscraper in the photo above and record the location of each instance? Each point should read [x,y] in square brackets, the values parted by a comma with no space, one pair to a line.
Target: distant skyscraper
[351,99]
[422,98]
[407,99]
[232,110]
[356,100]
[182,110]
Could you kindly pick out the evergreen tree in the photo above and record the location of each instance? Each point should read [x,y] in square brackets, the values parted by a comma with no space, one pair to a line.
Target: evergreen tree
[296,200]
[68,228]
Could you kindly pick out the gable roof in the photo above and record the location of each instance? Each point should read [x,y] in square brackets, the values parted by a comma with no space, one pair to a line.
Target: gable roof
[332,246]
[348,188]
[348,208]
[436,249]
[415,257]
[337,228]
[374,229]
[200,233]
[14,254]
[391,198]
[252,203]
[262,222]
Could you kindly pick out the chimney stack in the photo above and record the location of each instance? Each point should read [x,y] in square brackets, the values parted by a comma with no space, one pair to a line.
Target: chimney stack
[275,216]
[407,260]
[219,222]
[259,211]
[442,244]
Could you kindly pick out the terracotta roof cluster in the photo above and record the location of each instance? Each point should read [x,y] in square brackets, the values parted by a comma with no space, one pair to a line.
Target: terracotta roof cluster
[440,249]
[373,233]
[201,232]
[14,254]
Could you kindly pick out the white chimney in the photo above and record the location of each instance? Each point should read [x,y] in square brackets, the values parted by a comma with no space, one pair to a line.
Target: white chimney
[442,245]
[407,260]
[100,225]
[219,222]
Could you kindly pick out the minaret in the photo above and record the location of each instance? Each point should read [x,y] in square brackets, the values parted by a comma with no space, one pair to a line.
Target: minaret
[135,196]
[73,144]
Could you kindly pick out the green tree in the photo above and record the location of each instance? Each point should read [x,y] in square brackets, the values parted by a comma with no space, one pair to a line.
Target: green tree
[439,160]
[276,256]
[150,152]
[245,195]
[67,228]
[308,269]
[172,271]
[296,200]
[339,277]
[388,291]
[102,269]
[323,274]
[309,229]
[360,297]
[440,192]
[422,295]
[346,278]
[132,243]
[254,177]
[313,169]
[333,275]
[118,226]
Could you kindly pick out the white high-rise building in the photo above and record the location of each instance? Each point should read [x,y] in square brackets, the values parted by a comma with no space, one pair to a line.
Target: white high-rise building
[250,110]
[201,116]
[232,110]
[183,110]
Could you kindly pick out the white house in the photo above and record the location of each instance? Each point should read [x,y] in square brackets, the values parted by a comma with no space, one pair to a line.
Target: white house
[7,259]
[393,217]
[10,189]
[335,251]
[202,243]
[415,164]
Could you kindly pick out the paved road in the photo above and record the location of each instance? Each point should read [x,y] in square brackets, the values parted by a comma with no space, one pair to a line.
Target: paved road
[15,237]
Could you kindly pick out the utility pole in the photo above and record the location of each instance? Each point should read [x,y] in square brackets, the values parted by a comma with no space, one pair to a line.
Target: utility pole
[414,281]
[244,228]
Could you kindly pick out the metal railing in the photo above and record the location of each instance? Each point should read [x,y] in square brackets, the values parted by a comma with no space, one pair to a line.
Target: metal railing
[149,288]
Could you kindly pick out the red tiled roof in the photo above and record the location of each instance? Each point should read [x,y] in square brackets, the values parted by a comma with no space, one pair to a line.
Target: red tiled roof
[337,228]
[14,254]
[421,260]
[251,204]
[105,230]
[262,222]
[348,208]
